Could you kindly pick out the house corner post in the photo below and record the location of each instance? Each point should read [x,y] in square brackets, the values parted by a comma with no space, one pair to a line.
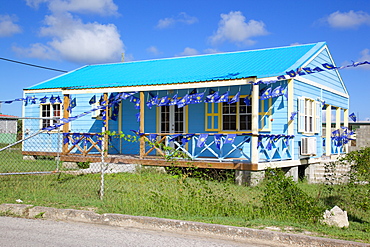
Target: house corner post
[328,131]
[142,124]
[65,126]
[290,107]
[337,117]
[291,121]
[345,118]
[255,120]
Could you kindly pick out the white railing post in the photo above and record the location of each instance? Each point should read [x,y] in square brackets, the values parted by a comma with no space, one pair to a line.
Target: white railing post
[255,120]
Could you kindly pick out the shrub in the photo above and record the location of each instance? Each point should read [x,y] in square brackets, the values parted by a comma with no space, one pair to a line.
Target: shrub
[360,164]
[283,199]
[359,184]
[83,165]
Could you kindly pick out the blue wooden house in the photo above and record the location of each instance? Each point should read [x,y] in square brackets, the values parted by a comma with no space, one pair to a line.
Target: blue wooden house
[245,110]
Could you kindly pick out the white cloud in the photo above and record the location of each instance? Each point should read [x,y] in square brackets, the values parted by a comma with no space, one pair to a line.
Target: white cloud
[76,41]
[35,3]
[129,57]
[8,26]
[72,39]
[349,19]
[153,50]
[166,22]
[102,7]
[180,18]
[189,52]
[234,28]
[365,55]
[211,51]
[36,50]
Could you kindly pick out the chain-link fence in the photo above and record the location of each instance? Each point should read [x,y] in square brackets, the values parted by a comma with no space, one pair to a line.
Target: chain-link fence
[32,158]
[77,164]
[107,172]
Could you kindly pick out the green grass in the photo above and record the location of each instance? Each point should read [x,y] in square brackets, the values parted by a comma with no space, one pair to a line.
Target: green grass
[11,161]
[148,193]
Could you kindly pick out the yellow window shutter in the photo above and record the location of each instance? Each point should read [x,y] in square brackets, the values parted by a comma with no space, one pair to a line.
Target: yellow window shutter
[213,117]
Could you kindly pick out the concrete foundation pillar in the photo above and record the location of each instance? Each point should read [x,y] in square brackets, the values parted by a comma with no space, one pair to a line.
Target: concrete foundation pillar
[249,178]
[292,172]
[310,172]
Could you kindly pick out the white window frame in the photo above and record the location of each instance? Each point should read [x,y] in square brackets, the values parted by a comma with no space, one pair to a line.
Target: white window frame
[50,113]
[238,113]
[309,116]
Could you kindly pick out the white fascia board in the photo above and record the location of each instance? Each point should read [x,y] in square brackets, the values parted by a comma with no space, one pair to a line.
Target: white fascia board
[236,82]
[52,90]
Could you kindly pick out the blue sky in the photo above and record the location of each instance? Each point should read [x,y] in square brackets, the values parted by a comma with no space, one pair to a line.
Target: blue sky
[67,34]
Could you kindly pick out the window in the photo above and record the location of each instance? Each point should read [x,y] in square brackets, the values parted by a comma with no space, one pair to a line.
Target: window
[172,119]
[309,112]
[236,116]
[50,111]
[308,115]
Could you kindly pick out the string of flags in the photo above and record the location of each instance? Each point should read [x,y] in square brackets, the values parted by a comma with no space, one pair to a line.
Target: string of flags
[212,97]
[306,71]
[192,98]
[293,114]
[341,138]
[112,102]
[353,117]
[196,98]
[33,100]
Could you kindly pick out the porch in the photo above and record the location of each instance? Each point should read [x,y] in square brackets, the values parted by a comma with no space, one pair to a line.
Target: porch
[202,150]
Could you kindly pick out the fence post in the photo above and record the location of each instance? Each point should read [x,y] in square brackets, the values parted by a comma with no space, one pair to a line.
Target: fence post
[141,130]
[101,192]
[106,122]
[58,149]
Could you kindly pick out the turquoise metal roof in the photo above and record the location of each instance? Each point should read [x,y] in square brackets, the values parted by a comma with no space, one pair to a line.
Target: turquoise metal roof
[222,66]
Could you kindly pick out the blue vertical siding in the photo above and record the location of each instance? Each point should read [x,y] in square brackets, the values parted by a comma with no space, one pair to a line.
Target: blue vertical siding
[327,78]
[45,142]
[304,90]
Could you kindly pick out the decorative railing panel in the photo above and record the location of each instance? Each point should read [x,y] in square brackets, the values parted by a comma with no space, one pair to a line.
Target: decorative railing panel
[219,147]
[83,143]
[274,147]
[339,138]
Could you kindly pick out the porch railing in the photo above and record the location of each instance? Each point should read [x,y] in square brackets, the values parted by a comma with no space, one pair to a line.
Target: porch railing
[270,147]
[82,143]
[186,146]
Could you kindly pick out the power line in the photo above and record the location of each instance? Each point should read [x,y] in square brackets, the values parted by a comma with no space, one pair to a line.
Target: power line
[33,65]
